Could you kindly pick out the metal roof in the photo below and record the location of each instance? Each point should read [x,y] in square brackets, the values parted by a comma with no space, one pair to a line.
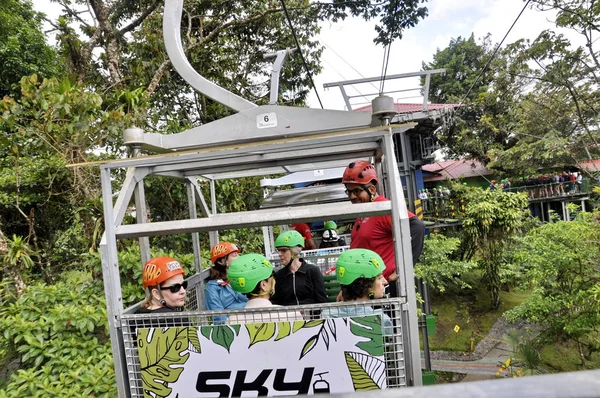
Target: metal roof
[452,169]
[411,108]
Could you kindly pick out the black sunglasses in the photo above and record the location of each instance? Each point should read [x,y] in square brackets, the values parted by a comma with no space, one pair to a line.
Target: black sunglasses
[357,191]
[176,287]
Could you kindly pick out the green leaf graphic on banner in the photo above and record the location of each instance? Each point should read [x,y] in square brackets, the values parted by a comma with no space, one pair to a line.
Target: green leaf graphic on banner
[365,370]
[223,336]
[206,331]
[194,340]
[260,332]
[307,324]
[309,345]
[312,324]
[368,327]
[158,356]
[297,326]
[284,329]
[236,329]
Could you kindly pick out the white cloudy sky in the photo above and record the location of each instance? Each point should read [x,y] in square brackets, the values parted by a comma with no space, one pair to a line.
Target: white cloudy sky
[351,54]
[447,19]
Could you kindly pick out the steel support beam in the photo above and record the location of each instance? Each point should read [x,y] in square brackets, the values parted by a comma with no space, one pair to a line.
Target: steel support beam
[257,218]
[404,261]
[112,286]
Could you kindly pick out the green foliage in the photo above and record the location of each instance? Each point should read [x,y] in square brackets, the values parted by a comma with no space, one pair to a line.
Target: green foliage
[526,353]
[53,124]
[471,312]
[59,336]
[492,218]
[23,48]
[130,268]
[489,96]
[438,269]
[561,262]
[17,261]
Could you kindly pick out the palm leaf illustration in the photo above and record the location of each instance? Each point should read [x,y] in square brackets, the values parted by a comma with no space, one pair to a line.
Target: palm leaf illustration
[160,349]
[367,372]
[368,327]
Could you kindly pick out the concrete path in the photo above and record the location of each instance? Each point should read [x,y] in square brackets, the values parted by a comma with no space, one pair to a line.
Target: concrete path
[496,353]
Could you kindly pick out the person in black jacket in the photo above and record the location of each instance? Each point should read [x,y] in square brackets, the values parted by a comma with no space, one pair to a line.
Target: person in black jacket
[298,282]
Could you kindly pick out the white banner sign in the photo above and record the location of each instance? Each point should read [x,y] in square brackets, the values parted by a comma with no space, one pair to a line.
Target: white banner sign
[263,359]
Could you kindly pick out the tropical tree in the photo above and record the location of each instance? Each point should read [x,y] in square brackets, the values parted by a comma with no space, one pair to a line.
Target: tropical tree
[487,88]
[438,268]
[557,123]
[53,124]
[560,262]
[17,261]
[121,47]
[492,218]
[23,49]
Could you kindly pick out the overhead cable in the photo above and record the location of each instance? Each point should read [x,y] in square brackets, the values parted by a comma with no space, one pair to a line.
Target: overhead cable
[493,54]
[287,16]
[387,49]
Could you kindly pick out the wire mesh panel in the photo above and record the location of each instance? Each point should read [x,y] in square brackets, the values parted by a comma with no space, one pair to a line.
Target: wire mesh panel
[318,322]
[323,258]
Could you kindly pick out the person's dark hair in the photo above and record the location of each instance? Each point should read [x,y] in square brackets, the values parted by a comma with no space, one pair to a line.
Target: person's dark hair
[361,287]
[218,270]
[256,290]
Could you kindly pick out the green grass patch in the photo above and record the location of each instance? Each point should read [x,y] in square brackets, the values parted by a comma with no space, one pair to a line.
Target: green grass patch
[462,317]
[564,357]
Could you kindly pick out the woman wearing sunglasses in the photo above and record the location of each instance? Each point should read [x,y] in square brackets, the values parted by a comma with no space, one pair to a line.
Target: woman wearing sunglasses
[218,293]
[164,286]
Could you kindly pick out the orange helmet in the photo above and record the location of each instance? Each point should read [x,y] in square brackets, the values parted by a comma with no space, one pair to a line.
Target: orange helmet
[359,172]
[221,250]
[159,269]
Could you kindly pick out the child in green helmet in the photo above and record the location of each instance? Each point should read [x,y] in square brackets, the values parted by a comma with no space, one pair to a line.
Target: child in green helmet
[360,274]
[252,274]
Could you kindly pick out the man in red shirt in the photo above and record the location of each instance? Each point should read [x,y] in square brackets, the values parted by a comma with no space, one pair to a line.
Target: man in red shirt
[304,229]
[375,233]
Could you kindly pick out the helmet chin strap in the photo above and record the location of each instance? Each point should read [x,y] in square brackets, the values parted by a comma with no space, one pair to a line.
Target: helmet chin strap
[366,189]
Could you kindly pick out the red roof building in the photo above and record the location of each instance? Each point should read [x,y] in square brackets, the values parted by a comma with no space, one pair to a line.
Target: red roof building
[452,169]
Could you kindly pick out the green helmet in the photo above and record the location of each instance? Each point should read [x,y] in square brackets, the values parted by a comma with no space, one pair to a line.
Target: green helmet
[289,238]
[247,270]
[358,263]
[330,225]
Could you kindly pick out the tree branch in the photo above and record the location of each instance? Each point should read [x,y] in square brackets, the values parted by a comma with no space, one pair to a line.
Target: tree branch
[140,19]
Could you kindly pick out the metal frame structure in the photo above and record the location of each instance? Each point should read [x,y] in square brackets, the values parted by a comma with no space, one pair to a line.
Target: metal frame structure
[427,73]
[258,140]
[301,153]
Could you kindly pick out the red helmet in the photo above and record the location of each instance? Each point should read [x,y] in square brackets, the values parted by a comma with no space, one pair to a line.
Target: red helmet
[159,269]
[359,172]
[221,250]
